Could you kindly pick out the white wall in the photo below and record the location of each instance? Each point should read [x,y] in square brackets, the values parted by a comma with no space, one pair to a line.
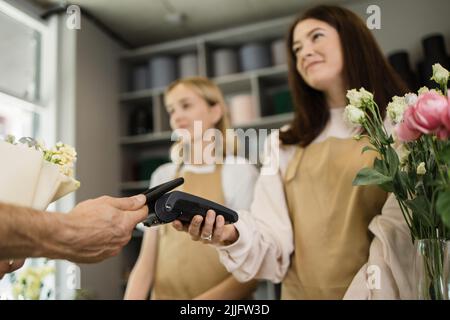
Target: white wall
[65,126]
[87,118]
[97,136]
[405,22]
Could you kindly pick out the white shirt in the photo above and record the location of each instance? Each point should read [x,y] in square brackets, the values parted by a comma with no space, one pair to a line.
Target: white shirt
[238,179]
[266,239]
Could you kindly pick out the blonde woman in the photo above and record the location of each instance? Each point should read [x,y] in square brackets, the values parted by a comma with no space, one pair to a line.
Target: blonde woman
[170,264]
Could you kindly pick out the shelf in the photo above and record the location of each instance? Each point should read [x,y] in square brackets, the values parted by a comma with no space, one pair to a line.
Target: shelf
[274,71]
[233,36]
[269,122]
[134,185]
[172,47]
[229,83]
[141,95]
[260,31]
[236,79]
[262,84]
[158,137]
[237,82]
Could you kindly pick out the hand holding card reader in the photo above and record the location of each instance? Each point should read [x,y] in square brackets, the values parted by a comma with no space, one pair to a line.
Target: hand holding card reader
[166,207]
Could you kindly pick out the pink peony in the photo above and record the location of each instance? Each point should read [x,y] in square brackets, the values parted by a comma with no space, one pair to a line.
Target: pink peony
[406,130]
[429,111]
[430,114]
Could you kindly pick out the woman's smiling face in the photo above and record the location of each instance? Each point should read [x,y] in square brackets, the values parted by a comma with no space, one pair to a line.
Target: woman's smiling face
[317,48]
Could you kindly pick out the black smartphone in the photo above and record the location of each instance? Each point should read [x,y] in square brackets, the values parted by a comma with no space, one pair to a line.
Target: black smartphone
[155,193]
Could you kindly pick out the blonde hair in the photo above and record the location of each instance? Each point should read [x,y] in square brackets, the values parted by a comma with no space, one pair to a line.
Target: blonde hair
[212,94]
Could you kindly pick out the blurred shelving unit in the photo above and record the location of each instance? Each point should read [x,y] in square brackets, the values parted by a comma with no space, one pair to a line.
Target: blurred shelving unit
[144,150]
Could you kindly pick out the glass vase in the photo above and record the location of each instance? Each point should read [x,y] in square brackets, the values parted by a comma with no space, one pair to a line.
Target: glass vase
[430,280]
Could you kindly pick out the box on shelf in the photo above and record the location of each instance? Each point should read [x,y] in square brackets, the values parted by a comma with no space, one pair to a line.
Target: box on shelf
[187,65]
[163,70]
[242,109]
[253,56]
[140,120]
[282,102]
[278,50]
[139,78]
[225,61]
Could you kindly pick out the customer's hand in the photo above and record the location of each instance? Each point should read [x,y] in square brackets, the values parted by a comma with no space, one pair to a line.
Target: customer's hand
[212,231]
[98,229]
[7,266]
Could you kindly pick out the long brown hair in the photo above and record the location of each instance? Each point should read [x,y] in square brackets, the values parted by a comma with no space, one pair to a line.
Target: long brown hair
[364,66]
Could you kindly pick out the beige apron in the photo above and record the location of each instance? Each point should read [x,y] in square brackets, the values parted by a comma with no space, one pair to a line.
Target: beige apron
[186,268]
[330,218]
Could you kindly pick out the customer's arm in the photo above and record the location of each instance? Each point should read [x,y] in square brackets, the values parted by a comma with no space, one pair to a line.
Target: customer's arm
[94,230]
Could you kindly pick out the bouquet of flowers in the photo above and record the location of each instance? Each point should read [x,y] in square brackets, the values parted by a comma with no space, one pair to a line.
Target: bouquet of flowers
[413,163]
[32,175]
[30,283]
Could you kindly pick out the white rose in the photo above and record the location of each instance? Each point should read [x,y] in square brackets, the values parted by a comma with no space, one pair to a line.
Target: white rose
[357,98]
[366,96]
[440,74]
[396,108]
[68,151]
[411,99]
[354,115]
[423,90]
[421,170]
[354,98]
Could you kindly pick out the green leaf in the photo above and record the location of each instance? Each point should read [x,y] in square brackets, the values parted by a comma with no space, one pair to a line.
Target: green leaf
[382,137]
[409,179]
[445,155]
[388,187]
[421,209]
[443,206]
[378,165]
[368,176]
[367,148]
[390,139]
[401,185]
[392,159]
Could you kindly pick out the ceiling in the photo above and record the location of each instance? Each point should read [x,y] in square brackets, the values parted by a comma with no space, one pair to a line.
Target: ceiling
[141,22]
